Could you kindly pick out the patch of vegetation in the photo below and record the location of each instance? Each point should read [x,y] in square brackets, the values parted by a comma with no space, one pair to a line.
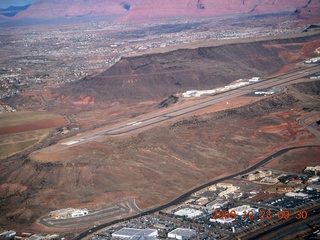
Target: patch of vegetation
[16,118]
[8,149]
[23,136]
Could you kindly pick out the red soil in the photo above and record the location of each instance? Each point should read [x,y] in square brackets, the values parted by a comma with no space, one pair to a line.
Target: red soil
[43,124]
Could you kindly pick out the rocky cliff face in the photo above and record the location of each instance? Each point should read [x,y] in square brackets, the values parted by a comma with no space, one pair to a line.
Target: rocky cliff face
[147,10]
[66,8]
[310,12]
[153,10]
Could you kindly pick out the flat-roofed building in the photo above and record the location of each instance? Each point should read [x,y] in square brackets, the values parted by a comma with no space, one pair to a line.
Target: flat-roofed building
[313,187]
[218,203]
[269,180]
[79,213]
[68,213]
[313,179]
[312,169]
[182,233]
[251,177]
[224,185]
[62,213]
[297,195]
[189,213]
[43,236]
[222,220]
[241,210]
[8,235]
[202,201]
[134,233]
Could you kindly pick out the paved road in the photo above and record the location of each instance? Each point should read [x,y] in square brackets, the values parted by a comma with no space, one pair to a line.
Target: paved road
[110,211]
[189,193]
[280,80]
[311,129]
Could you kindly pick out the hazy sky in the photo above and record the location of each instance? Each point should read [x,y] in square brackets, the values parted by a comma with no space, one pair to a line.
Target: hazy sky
[8,3]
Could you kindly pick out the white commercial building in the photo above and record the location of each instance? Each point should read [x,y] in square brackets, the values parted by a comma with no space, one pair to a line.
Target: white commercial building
[244,209]
[79,213]
[313,179]
[198,93]
[296,195]
[8,235]
[188,212]
[222,220]
[182,233]
[313,187]
[134,233]
[312,169]
[68,213]
[218,203]
[254,79]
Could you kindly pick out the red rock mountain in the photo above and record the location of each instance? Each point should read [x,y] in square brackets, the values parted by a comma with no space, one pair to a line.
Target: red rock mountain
[153,10]
[309,13]
[68,8]
[146,10]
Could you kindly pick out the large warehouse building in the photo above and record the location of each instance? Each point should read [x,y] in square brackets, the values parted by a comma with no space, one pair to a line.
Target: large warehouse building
[68,213]
[134,233]
[182,233]
[188,212]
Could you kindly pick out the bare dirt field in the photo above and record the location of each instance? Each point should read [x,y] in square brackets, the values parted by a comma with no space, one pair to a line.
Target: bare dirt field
[21,130]
[156,165]
[296,160]
[43,124]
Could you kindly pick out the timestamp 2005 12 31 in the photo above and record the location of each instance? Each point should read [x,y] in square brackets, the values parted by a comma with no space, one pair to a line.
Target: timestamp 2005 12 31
[261,214]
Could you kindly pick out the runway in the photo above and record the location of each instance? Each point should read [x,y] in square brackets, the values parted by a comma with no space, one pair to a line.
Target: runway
[279,80]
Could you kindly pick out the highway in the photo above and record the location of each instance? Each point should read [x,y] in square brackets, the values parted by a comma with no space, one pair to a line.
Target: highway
[311,129]
[184,196]
[279,80]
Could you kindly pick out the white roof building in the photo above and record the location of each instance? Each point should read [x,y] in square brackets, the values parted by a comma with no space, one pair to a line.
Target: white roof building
[296,195]
[188,212]
[134,233]
[218,203]
[244,208]
[312,169]
[182,233]
[79,213]
[313,179]
[68,213]
[313,187]
[222,220]
[8,235]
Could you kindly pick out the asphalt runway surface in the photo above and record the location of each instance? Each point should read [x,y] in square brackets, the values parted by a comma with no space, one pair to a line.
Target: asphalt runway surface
[280,80]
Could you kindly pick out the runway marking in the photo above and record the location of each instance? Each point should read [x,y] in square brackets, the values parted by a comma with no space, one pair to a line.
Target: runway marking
[222,97]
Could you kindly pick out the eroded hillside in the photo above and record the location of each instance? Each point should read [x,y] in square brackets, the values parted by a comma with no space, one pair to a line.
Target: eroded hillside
[156,165]
[156,76]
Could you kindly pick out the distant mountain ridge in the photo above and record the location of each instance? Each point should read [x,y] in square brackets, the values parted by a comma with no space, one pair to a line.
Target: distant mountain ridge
[70,8]
[13,10]
[150,10]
